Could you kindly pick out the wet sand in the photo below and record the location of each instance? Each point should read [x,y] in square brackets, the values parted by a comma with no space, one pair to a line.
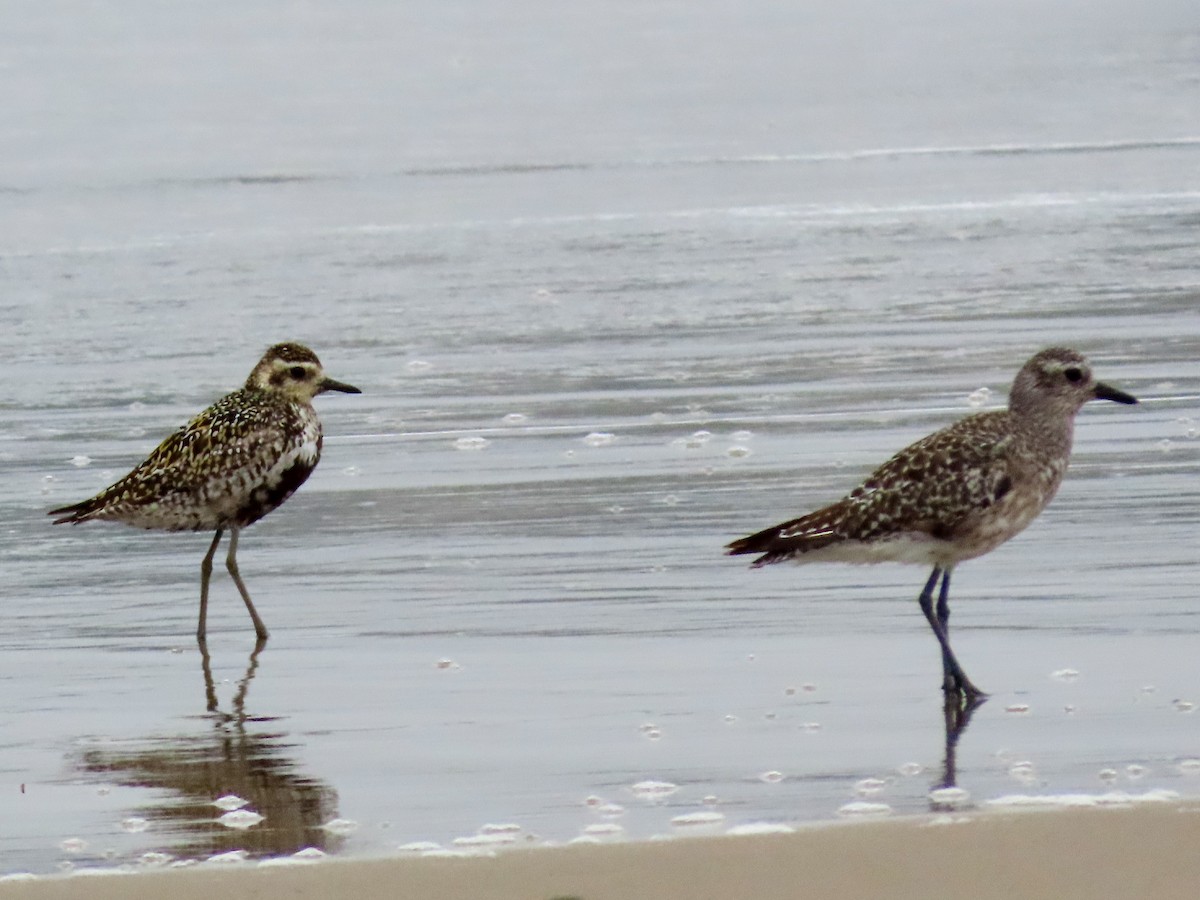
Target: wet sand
[1142,852]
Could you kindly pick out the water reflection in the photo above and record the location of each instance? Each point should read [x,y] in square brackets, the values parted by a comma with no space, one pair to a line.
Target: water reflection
[957,710]
[241,755]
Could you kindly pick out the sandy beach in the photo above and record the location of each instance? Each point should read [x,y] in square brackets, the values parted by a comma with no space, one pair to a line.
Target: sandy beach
[1143,852]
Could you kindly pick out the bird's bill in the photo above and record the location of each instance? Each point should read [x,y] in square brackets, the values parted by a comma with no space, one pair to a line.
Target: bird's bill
[329,384]
[1105,392]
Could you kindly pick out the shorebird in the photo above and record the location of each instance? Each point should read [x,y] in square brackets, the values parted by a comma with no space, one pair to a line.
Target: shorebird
[954,495]
[229,466]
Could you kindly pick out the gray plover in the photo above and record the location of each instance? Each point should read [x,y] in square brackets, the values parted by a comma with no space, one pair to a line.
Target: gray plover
[954,495]
[229,466]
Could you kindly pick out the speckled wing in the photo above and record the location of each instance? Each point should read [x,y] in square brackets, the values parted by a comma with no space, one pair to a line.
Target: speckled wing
[931,487]
[232,463]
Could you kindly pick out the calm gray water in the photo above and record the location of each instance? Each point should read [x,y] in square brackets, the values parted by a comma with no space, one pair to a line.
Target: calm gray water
[620,282]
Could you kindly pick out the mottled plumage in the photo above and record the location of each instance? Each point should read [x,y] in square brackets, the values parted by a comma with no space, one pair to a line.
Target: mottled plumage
[230,465]
[954,495]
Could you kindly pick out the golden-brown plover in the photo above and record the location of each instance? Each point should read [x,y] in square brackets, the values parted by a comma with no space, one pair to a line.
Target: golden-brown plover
[229,466]
[954,495]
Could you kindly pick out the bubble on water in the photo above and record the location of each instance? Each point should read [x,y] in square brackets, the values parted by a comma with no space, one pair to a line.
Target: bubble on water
[1108,776]
[229,802]
[501,828]
[484,841]
[1018,709]
[1069,708]
[515,419]
[1148,689]
[154,859]
[742,435]
[447,665]
[979,396]
[233,856]
[867,787]
[417,366]
[771,777]
[599,438]
[81,461]
[419,847]
[1166,445]
[737,451]
[593,801]
[352,471]
[671,500]
[610,810]
[1023,772]
[811,726]
[1135,771]
[309,854]
[134,825]
[730,719]
[910,769]
[1189,767]
[695,439]
[1065,674]
[650,732]
[73,845]
[710,800]
[1185,706]
[340,827]
[604,831]
[653,790]
[240,819]
[863,808]
[697,820]
[103,791]
[472,443]
[949,798]
[753,828]
[616,509]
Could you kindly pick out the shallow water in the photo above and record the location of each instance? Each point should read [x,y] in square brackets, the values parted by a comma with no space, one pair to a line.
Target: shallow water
[596,341]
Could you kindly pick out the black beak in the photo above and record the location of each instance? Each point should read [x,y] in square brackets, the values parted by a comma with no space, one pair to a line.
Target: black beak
[328,384]
[1104,392]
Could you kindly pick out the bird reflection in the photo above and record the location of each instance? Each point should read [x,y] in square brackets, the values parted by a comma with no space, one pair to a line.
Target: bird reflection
[957,710]
[239,754]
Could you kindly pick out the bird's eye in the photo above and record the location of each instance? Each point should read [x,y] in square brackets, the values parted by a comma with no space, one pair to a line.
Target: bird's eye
[299,373]
[1073,375]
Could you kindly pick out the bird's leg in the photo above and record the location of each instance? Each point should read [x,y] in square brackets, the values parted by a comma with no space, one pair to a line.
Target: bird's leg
[943,604]
[231,564]
[205,575]
[954,679]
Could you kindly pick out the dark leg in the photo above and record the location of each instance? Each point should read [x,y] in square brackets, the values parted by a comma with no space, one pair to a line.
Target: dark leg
[205,575]
[231,564]
[943,606]
[954,679]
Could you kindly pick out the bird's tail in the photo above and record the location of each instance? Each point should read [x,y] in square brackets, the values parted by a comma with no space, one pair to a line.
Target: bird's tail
[77,512]
[792,539]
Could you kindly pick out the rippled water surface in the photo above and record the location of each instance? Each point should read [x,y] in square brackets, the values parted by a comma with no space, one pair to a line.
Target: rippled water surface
[618,285]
